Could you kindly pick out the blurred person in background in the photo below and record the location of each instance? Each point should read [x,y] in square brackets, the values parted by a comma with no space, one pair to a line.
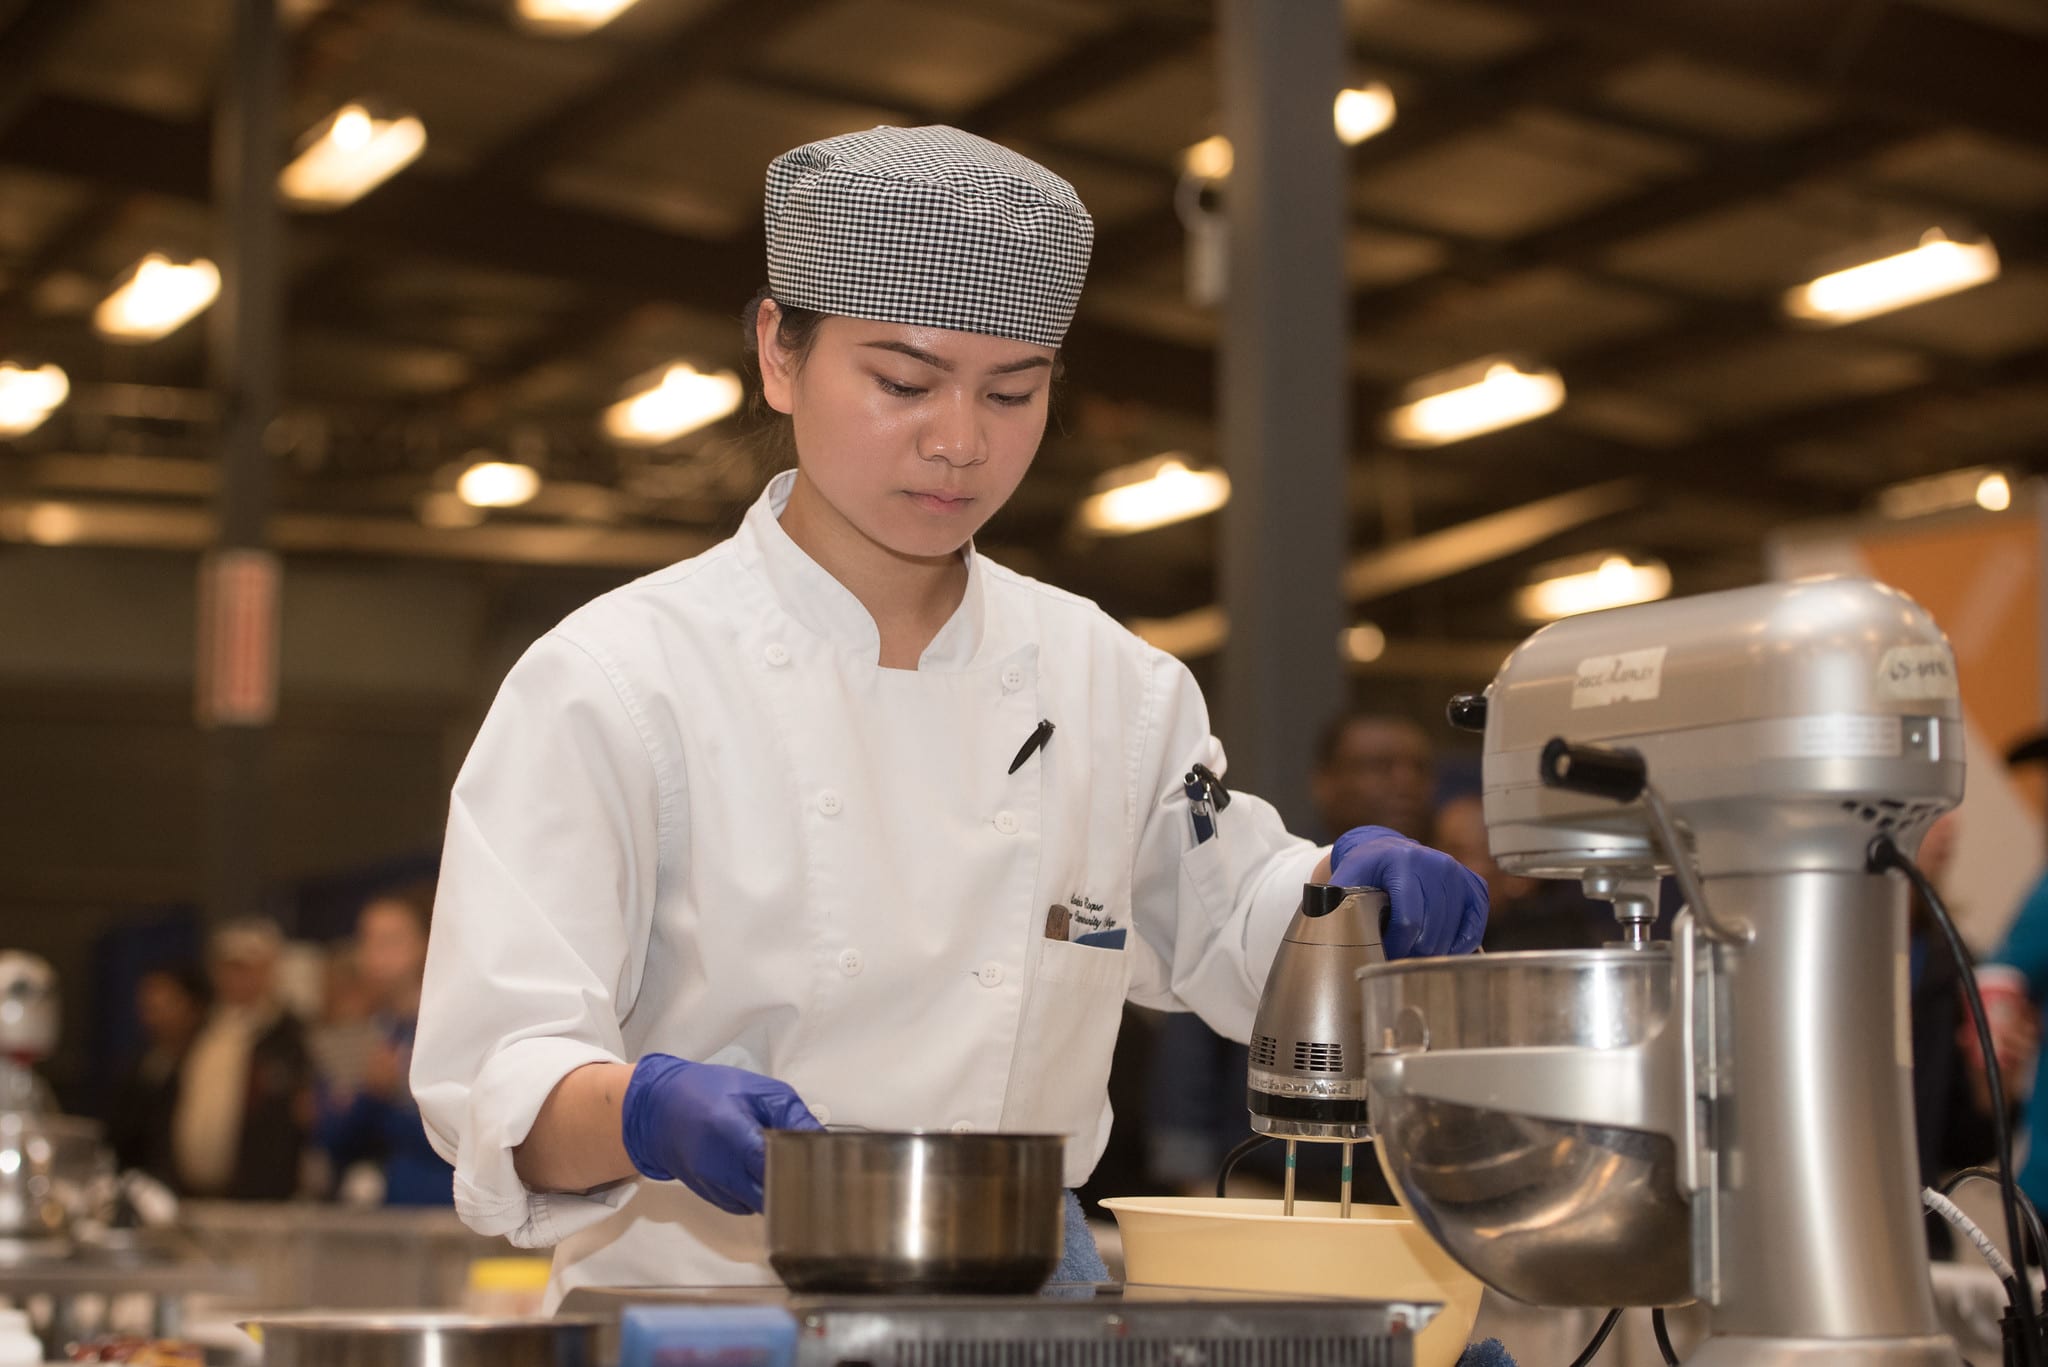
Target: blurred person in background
[1375,769]
[1526,913]
[369,1121]
[1952,1117]
[170,1005]
[239,1127]
[2015,1026]
[1372,769]
[346,1034]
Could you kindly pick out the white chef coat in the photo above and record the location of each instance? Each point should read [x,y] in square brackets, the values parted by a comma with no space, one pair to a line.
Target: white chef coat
[701,820]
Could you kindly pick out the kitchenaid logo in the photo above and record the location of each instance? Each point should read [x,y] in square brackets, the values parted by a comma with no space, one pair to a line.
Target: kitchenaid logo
[1632,676]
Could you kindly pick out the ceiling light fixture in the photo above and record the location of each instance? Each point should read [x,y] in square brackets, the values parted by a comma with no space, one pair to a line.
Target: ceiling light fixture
[156,298]
[351,153]
[1591,583]
[1152,493]
[1362,644]
[1469,400]
[1363,112]
[1977,486]
[1936,267]
[566,18]
[27,397]
[497,484]
[683,400]
[1209,159]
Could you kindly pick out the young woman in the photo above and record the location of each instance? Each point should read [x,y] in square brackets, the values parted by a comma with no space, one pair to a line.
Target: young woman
[838,821]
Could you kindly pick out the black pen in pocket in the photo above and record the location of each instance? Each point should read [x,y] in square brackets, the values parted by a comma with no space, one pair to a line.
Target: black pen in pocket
[1032,744]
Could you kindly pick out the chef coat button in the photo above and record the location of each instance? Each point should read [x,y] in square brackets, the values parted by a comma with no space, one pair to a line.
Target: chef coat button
[991,975]
[822,1113]
[963,1127]
[849,962]
[776,654]
[1006,822]
[828,802]
[1013,679]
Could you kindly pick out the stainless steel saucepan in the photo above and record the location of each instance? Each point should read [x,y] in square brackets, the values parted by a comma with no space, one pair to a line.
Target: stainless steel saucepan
[427,1339]
[859,1210]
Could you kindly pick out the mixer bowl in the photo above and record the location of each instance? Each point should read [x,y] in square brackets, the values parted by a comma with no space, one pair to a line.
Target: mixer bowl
[47,1162]
[1547,1211]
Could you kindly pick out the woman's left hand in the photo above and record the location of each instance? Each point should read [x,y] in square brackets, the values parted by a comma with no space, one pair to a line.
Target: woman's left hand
[1435,904]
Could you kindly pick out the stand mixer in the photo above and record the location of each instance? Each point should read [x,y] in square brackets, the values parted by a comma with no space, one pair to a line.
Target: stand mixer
[1725,1119]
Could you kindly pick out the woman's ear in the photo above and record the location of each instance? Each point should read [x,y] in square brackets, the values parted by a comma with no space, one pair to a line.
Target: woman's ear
[778,366]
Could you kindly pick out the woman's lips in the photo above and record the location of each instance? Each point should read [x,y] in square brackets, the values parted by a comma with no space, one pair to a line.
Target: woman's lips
[940,503]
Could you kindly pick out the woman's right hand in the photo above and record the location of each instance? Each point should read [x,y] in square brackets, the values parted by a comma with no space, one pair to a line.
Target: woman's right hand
[701,1124]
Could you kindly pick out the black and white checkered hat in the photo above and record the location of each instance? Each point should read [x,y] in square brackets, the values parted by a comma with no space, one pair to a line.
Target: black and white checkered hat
[927,226]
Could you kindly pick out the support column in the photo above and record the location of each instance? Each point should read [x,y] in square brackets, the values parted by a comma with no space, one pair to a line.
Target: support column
[239,578]
[1283,400]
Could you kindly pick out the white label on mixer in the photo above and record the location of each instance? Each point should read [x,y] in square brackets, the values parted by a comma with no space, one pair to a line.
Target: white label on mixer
[1848,737]
[1632,676]
[1917,672]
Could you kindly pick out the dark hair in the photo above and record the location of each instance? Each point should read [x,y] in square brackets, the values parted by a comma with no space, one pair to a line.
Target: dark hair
[1333,732]
[190,980]
[795,330]
[415,899]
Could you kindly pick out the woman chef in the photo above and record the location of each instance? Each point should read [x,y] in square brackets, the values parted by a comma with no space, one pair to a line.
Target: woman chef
[839,821]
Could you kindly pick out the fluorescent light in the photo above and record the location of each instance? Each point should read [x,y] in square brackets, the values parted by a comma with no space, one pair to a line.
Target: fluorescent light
[682,401]
[1573,587]
[1482,397]
[156,299]
[1151,494]
[497,484]
[1363,112]
[1936,267]
[1978,486]
[29,396]
[1362,644]
[349,155]
[567,17]
[1209,159]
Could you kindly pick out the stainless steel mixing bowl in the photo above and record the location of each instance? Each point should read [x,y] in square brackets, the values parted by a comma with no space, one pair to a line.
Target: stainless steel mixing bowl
[419,1339]
[1549,1212]
[47,1163]
[857,1210]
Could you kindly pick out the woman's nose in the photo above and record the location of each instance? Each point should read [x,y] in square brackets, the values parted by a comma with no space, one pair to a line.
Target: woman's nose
[953,434]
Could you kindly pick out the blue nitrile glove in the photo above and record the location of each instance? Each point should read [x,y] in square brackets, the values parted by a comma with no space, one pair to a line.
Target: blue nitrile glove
[700,1124]
[1436,905]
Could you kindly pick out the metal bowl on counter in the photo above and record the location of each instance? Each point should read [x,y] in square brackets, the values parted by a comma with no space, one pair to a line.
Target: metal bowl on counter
[420,1339]
[1551,1210]
[858,1210]
[47,1164]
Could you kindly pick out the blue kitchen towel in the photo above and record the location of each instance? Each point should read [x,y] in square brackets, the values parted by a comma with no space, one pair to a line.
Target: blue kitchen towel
[1079,1260]
[1486,1353]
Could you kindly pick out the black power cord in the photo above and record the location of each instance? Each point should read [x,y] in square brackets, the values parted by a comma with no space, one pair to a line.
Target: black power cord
[1986,1173]
[1599,1338]
[1663,1337]
[1237,1155]
[1885,855]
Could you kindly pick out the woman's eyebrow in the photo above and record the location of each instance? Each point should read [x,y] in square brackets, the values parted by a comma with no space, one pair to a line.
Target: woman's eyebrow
[941,363]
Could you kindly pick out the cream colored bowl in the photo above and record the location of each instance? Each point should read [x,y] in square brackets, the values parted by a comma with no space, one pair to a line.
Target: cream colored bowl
[1236,1244]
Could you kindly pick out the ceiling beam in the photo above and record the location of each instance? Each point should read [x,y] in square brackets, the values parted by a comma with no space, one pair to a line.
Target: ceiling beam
[725,32]
[1936,64]
[26,46]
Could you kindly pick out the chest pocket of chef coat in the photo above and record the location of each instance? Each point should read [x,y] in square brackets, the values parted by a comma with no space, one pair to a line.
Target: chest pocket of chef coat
[1071,1016]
